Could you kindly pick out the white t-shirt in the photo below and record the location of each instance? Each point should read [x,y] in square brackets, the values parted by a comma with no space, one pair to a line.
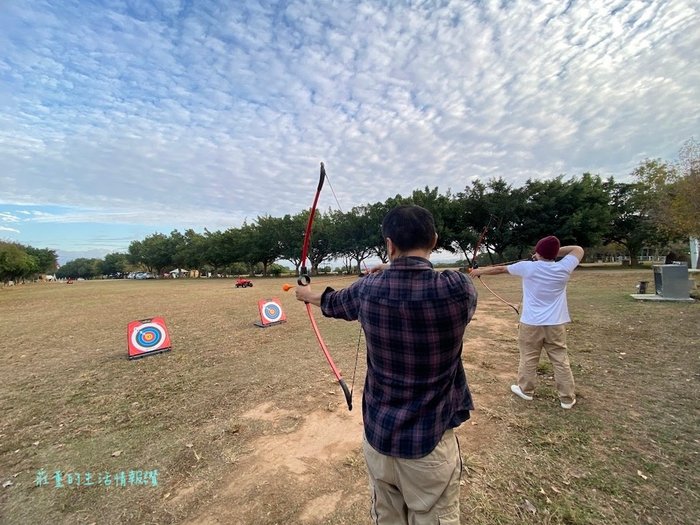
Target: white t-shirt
[544,290]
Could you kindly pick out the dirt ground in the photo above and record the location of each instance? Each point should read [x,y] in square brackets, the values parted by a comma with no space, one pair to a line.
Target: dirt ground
[304,457]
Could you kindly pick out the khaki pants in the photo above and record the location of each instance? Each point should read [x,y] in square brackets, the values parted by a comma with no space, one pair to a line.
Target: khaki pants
[531,341]
[416,491]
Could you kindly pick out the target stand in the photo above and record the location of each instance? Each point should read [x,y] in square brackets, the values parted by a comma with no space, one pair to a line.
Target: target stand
[147,337]
[271,313]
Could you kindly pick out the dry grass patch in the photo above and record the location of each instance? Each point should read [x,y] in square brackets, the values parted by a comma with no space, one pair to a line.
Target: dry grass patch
[247,425]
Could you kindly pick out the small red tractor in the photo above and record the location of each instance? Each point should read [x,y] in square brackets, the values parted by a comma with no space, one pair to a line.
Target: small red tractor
[244,283]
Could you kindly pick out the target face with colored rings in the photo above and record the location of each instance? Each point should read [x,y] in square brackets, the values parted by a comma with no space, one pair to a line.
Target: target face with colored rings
[272,312]
[148,337]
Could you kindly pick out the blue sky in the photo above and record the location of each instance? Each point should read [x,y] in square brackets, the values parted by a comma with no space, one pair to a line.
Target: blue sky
[119,119]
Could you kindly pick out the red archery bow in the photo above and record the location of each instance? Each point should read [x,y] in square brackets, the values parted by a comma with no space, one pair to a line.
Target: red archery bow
[305,279]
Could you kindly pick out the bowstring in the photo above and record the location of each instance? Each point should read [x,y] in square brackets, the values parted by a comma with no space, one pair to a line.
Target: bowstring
[517,310]
[482,237]
[359,332]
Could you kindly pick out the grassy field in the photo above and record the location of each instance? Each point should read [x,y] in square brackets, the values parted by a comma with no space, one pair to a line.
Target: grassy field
[245,425]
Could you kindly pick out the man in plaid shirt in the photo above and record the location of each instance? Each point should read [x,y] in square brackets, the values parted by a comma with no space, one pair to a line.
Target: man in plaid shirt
[416,390]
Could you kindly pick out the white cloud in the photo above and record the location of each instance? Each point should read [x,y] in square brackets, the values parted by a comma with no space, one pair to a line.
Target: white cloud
[205,114]
[8,217]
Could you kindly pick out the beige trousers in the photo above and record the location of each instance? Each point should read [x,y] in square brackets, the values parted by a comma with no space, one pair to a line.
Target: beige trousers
[531,341]
[416,491]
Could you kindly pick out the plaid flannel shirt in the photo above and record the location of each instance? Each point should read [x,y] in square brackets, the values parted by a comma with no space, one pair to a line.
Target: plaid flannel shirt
[414,320]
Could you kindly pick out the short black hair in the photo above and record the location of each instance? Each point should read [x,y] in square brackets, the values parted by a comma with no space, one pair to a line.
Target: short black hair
[409,227]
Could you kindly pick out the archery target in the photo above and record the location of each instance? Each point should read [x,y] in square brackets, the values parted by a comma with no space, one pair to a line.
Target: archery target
[147,336]
[271,311]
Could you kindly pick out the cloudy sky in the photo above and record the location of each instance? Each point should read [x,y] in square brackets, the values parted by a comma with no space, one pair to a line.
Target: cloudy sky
[122,118]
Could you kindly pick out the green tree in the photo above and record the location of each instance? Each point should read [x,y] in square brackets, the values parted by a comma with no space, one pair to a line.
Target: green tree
[375,216]
[218,249]
[46,260]
[115,264]
[353,234]
[321,246]
[178,242]
[188,249]
[441,209]
[81,268]
[293,228]
[15,262]
[134,252]
[501,208]
[277,270]
[632,225]
[239,268]
[484,212]
[588,214]
[654,194]
[577,211]
[265,240]
[155,252]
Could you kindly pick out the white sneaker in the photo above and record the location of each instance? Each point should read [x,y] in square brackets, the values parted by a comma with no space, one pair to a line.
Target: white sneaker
[568,405]
[516,390]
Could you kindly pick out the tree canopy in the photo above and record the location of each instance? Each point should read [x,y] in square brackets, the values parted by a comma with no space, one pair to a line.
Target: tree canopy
[21,262]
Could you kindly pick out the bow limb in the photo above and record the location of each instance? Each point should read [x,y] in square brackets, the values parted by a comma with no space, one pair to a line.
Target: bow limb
[478,243]
[305,280]
[303,273]
[324,348]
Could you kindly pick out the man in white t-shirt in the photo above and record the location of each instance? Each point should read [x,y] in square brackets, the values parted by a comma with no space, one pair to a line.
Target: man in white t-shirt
[544,315]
